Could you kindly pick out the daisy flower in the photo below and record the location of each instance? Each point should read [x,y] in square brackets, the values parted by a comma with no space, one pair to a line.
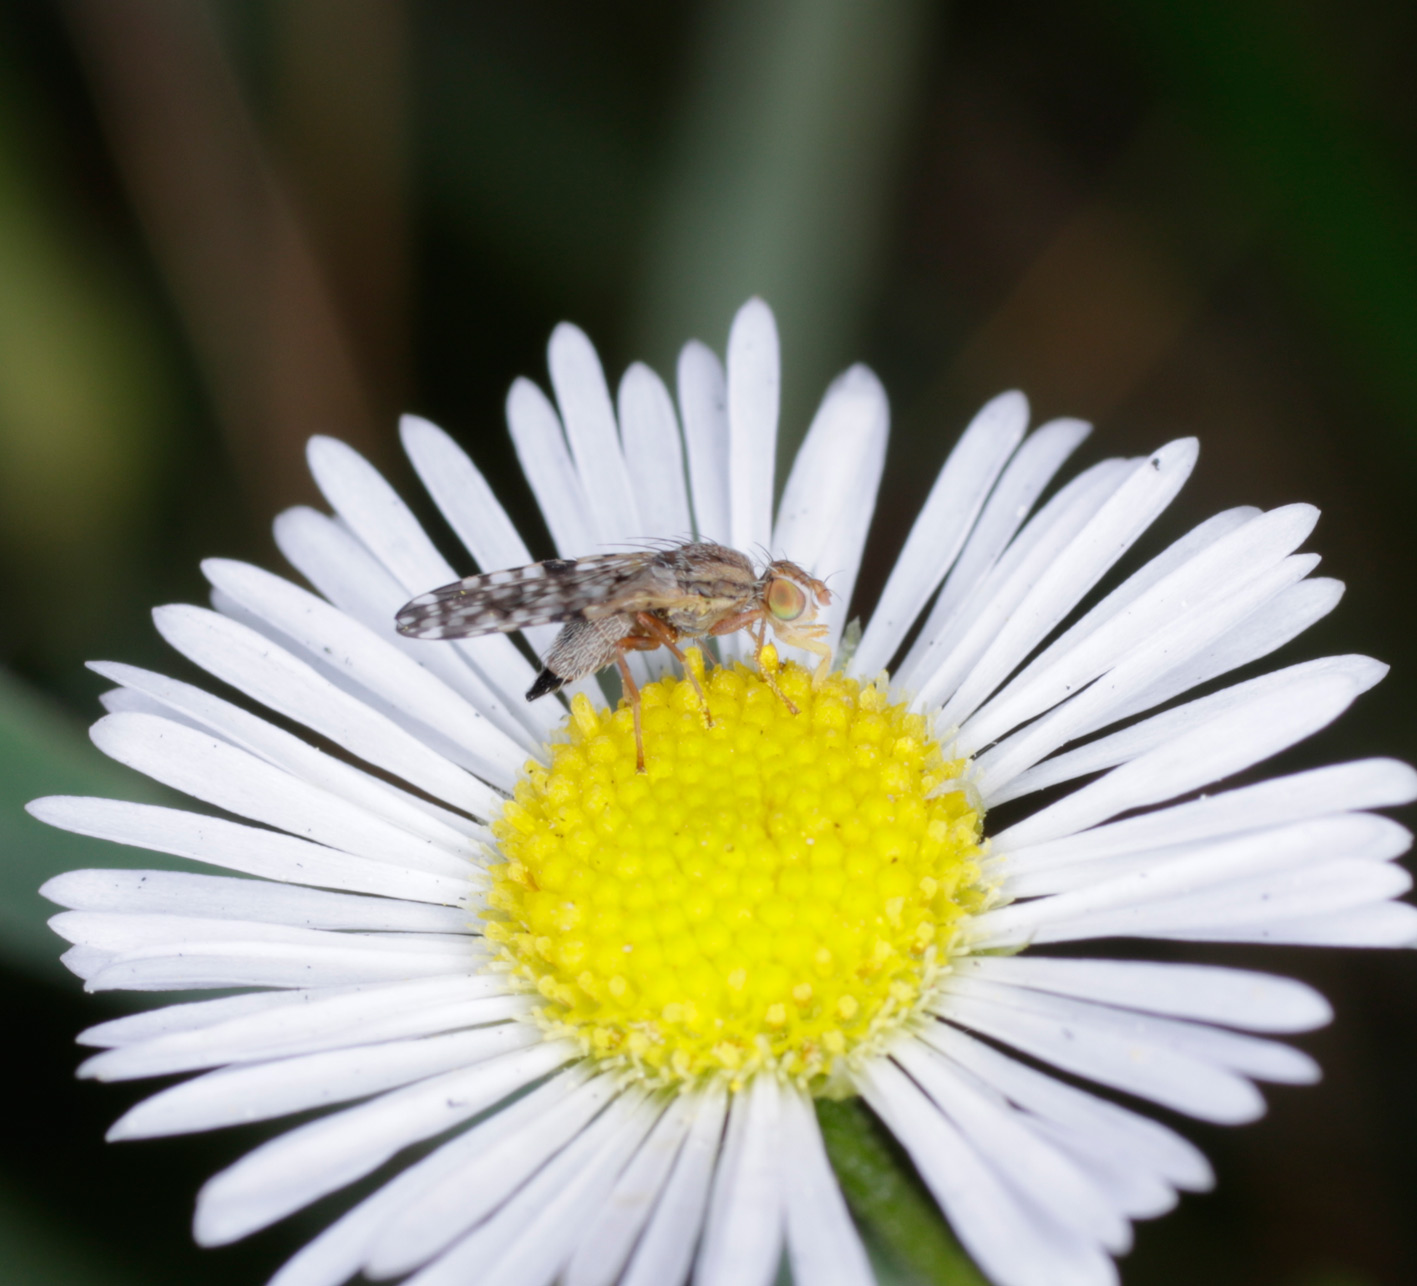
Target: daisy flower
[590,1008]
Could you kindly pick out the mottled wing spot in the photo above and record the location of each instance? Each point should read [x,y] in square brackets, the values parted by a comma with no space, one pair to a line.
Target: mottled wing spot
[551,592]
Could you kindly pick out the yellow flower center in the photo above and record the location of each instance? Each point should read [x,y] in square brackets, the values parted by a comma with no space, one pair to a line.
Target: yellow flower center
[775,890]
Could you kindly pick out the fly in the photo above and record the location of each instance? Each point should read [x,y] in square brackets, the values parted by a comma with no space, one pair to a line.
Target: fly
[611,604]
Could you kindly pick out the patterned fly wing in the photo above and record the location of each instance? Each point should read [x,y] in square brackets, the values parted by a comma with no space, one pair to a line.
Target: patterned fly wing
[610,605]
[546,593]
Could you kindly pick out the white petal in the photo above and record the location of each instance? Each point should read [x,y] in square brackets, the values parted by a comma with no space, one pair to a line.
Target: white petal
[1027,475]
[1283,618]
[329,667]
[1256,1057]
[831,492]
[1255,891]
[667,1247]
[297,1168]
[510,1148]
[955,636]
[480,522]
[1016,1245]
[1134,1140]
[1322,887]
[151,1024]
[1387,924]
[1138,1194]
[131,701]
[822,1243]
[1162,729]
[337,564]
[134,935]
[333,1257]
[529,1238]
[1035,1168]
[369,662]
[612,1234]
[1208,564]
[743,1237]
[181,893]
[1189,1068]
[218,773]
[248,849]
[238,1095]
[1216,872]
[162,1057]
[86,962]
[1369,783]
[1246,733]
[373,511]
[1174,556]
[1183,1084]
[260,960]
[654,455]
[584,492]
[1071,573]
[584,399]
[1234,997]
[546,462]
[463,496]
[276,746]
[275,677]
[754,381]
[311,1021]
[654,458]
[703,408]
[554,1228]
[1138,669]
[942,526]
[128,932]
[342,1249]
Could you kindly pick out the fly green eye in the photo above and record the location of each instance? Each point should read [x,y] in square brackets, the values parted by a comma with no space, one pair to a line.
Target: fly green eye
[786,601]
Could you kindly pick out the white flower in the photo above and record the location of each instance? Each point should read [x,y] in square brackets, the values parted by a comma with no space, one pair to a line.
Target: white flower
[810,899]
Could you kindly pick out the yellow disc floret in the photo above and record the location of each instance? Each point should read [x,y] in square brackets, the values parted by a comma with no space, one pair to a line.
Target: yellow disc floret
[775,890]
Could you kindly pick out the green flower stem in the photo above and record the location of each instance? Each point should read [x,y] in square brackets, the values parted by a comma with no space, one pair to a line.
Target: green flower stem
[892,1210]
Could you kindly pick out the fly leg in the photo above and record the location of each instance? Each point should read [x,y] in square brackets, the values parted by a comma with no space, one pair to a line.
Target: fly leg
[769,677]
[810,638]
[660,633]
[649,633]
[630,644]
[756,624]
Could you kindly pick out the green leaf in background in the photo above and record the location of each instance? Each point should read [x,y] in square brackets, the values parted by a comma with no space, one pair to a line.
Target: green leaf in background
[1258,83]
[41,1250]
[86,395]
[893,1211]
[781,182]
[1333,1277]
[43,752]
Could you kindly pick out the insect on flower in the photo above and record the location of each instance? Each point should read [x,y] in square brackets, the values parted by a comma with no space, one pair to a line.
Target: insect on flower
[611,604]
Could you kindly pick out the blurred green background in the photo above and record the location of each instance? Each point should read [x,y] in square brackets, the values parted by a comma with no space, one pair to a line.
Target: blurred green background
[228,224]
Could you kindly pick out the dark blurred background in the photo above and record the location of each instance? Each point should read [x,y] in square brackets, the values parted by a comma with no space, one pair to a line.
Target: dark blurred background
[228,224]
